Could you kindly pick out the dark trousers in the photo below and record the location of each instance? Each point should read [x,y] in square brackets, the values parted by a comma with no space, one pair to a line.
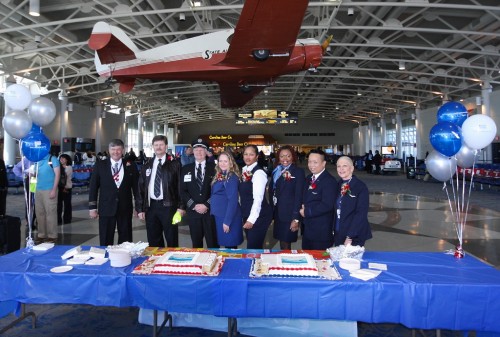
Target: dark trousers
[3,200]
[107,225]
[315,245]
[200,227]
[159,224]
[64,205]
[257,234]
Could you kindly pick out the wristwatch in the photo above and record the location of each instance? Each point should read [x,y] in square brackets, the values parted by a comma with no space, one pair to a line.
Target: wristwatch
[296,220]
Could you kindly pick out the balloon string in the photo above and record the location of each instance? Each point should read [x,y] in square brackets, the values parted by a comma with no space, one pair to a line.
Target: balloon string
[449,202]
[470,187]
[455,215]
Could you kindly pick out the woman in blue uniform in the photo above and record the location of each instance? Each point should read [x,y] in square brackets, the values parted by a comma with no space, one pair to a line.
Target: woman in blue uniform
[255,208]
[224,202]
[286,190]
[352,203]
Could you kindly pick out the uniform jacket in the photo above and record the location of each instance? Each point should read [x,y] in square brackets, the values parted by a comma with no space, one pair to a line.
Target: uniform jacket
[319,207]
[190,193]
[288,194]
[111,198]
[354,214]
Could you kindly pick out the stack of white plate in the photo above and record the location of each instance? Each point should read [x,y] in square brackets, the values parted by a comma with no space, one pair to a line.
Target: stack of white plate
[119,257]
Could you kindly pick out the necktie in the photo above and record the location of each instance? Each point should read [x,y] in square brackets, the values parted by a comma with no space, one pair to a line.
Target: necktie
[199,177]
[115,169]
[313,179]
[157,190]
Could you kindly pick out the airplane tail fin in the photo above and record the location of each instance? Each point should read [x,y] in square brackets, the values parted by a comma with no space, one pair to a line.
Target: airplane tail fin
[326,43]
[111,44]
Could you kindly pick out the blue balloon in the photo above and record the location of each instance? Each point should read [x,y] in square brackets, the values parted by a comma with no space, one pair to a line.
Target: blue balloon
[35,146]
[446,138]
[453,112]
[35,128]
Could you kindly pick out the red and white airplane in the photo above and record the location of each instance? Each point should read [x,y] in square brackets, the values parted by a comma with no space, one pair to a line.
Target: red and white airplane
[243,61]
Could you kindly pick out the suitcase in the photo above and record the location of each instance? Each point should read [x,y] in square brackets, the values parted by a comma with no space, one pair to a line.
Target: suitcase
[10,234]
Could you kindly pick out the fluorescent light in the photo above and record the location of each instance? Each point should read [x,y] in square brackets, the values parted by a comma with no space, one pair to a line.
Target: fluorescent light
[402,65]
[34,8]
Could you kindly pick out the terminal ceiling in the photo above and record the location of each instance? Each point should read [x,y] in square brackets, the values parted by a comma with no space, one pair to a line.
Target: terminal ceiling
[449,48]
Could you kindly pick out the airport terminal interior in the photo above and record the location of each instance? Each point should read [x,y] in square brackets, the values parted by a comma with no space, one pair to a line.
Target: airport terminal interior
[380,71]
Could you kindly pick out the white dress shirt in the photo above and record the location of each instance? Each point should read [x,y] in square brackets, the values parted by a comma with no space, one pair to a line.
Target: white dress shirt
[259,181]
[151,187]
[120,175]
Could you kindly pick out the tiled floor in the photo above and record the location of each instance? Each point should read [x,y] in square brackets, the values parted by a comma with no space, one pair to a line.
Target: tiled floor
[406,215]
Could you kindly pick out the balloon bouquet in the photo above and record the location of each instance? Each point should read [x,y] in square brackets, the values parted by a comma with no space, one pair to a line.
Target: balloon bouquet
[26,128]
[457,140]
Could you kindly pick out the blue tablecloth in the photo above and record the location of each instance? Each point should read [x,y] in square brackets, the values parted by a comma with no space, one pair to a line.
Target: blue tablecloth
[419,290]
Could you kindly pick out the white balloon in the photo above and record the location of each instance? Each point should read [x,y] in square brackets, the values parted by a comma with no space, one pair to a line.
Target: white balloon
[466,157]
[42,111]
[440,167]
[478,131]
[17,123]
[17,97]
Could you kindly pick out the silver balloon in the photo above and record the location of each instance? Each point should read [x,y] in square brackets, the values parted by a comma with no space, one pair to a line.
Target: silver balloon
[42,111]
[440,167]
[466,157]
[17,123]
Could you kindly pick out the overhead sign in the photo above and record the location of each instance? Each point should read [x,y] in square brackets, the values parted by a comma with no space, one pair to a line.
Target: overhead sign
[262,117]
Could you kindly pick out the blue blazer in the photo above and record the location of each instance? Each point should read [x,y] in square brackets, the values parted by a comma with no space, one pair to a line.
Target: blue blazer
[354,214]
[224,206]
[319,207]
[289,195]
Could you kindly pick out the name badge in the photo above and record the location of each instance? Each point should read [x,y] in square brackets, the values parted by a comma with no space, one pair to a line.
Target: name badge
[148,172]
[187,178]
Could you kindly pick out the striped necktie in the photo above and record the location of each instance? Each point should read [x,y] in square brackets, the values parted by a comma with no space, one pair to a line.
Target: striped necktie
[199,177]
[157,189]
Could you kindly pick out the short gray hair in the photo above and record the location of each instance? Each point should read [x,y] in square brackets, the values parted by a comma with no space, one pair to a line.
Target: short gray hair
[346,158]
[116,142]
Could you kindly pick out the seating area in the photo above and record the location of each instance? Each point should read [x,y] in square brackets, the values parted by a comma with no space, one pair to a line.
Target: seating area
[14,181]
[81,177]
[484,174]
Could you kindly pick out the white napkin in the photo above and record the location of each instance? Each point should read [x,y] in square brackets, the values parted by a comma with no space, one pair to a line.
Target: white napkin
[365,274]
[97,261]
[44,246]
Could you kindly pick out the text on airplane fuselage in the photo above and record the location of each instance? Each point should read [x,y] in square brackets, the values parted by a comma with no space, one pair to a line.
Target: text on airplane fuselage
[207,54]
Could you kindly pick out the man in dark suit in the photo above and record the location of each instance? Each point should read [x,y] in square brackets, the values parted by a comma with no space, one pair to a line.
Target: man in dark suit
[320,193]
[114,180]
[159,195]
[196,179]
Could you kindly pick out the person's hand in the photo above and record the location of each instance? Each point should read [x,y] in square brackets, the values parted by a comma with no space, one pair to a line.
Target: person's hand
[302,211]
[181,211]
[141,215]
[248,225]
[52,194]
[93,214]
[200,208]
[294,226]
[225,228]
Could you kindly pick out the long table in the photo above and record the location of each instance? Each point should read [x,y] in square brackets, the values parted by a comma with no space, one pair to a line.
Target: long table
[419,290]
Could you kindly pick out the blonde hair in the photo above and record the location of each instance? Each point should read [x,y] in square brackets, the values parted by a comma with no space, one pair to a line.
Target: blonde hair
[233,167]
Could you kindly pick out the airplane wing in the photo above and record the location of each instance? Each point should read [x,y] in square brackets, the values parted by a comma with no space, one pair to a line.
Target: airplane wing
[271,25]
[231,95]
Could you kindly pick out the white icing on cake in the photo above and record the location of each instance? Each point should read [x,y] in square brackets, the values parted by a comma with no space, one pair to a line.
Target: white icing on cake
[185,263]
[289,265]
